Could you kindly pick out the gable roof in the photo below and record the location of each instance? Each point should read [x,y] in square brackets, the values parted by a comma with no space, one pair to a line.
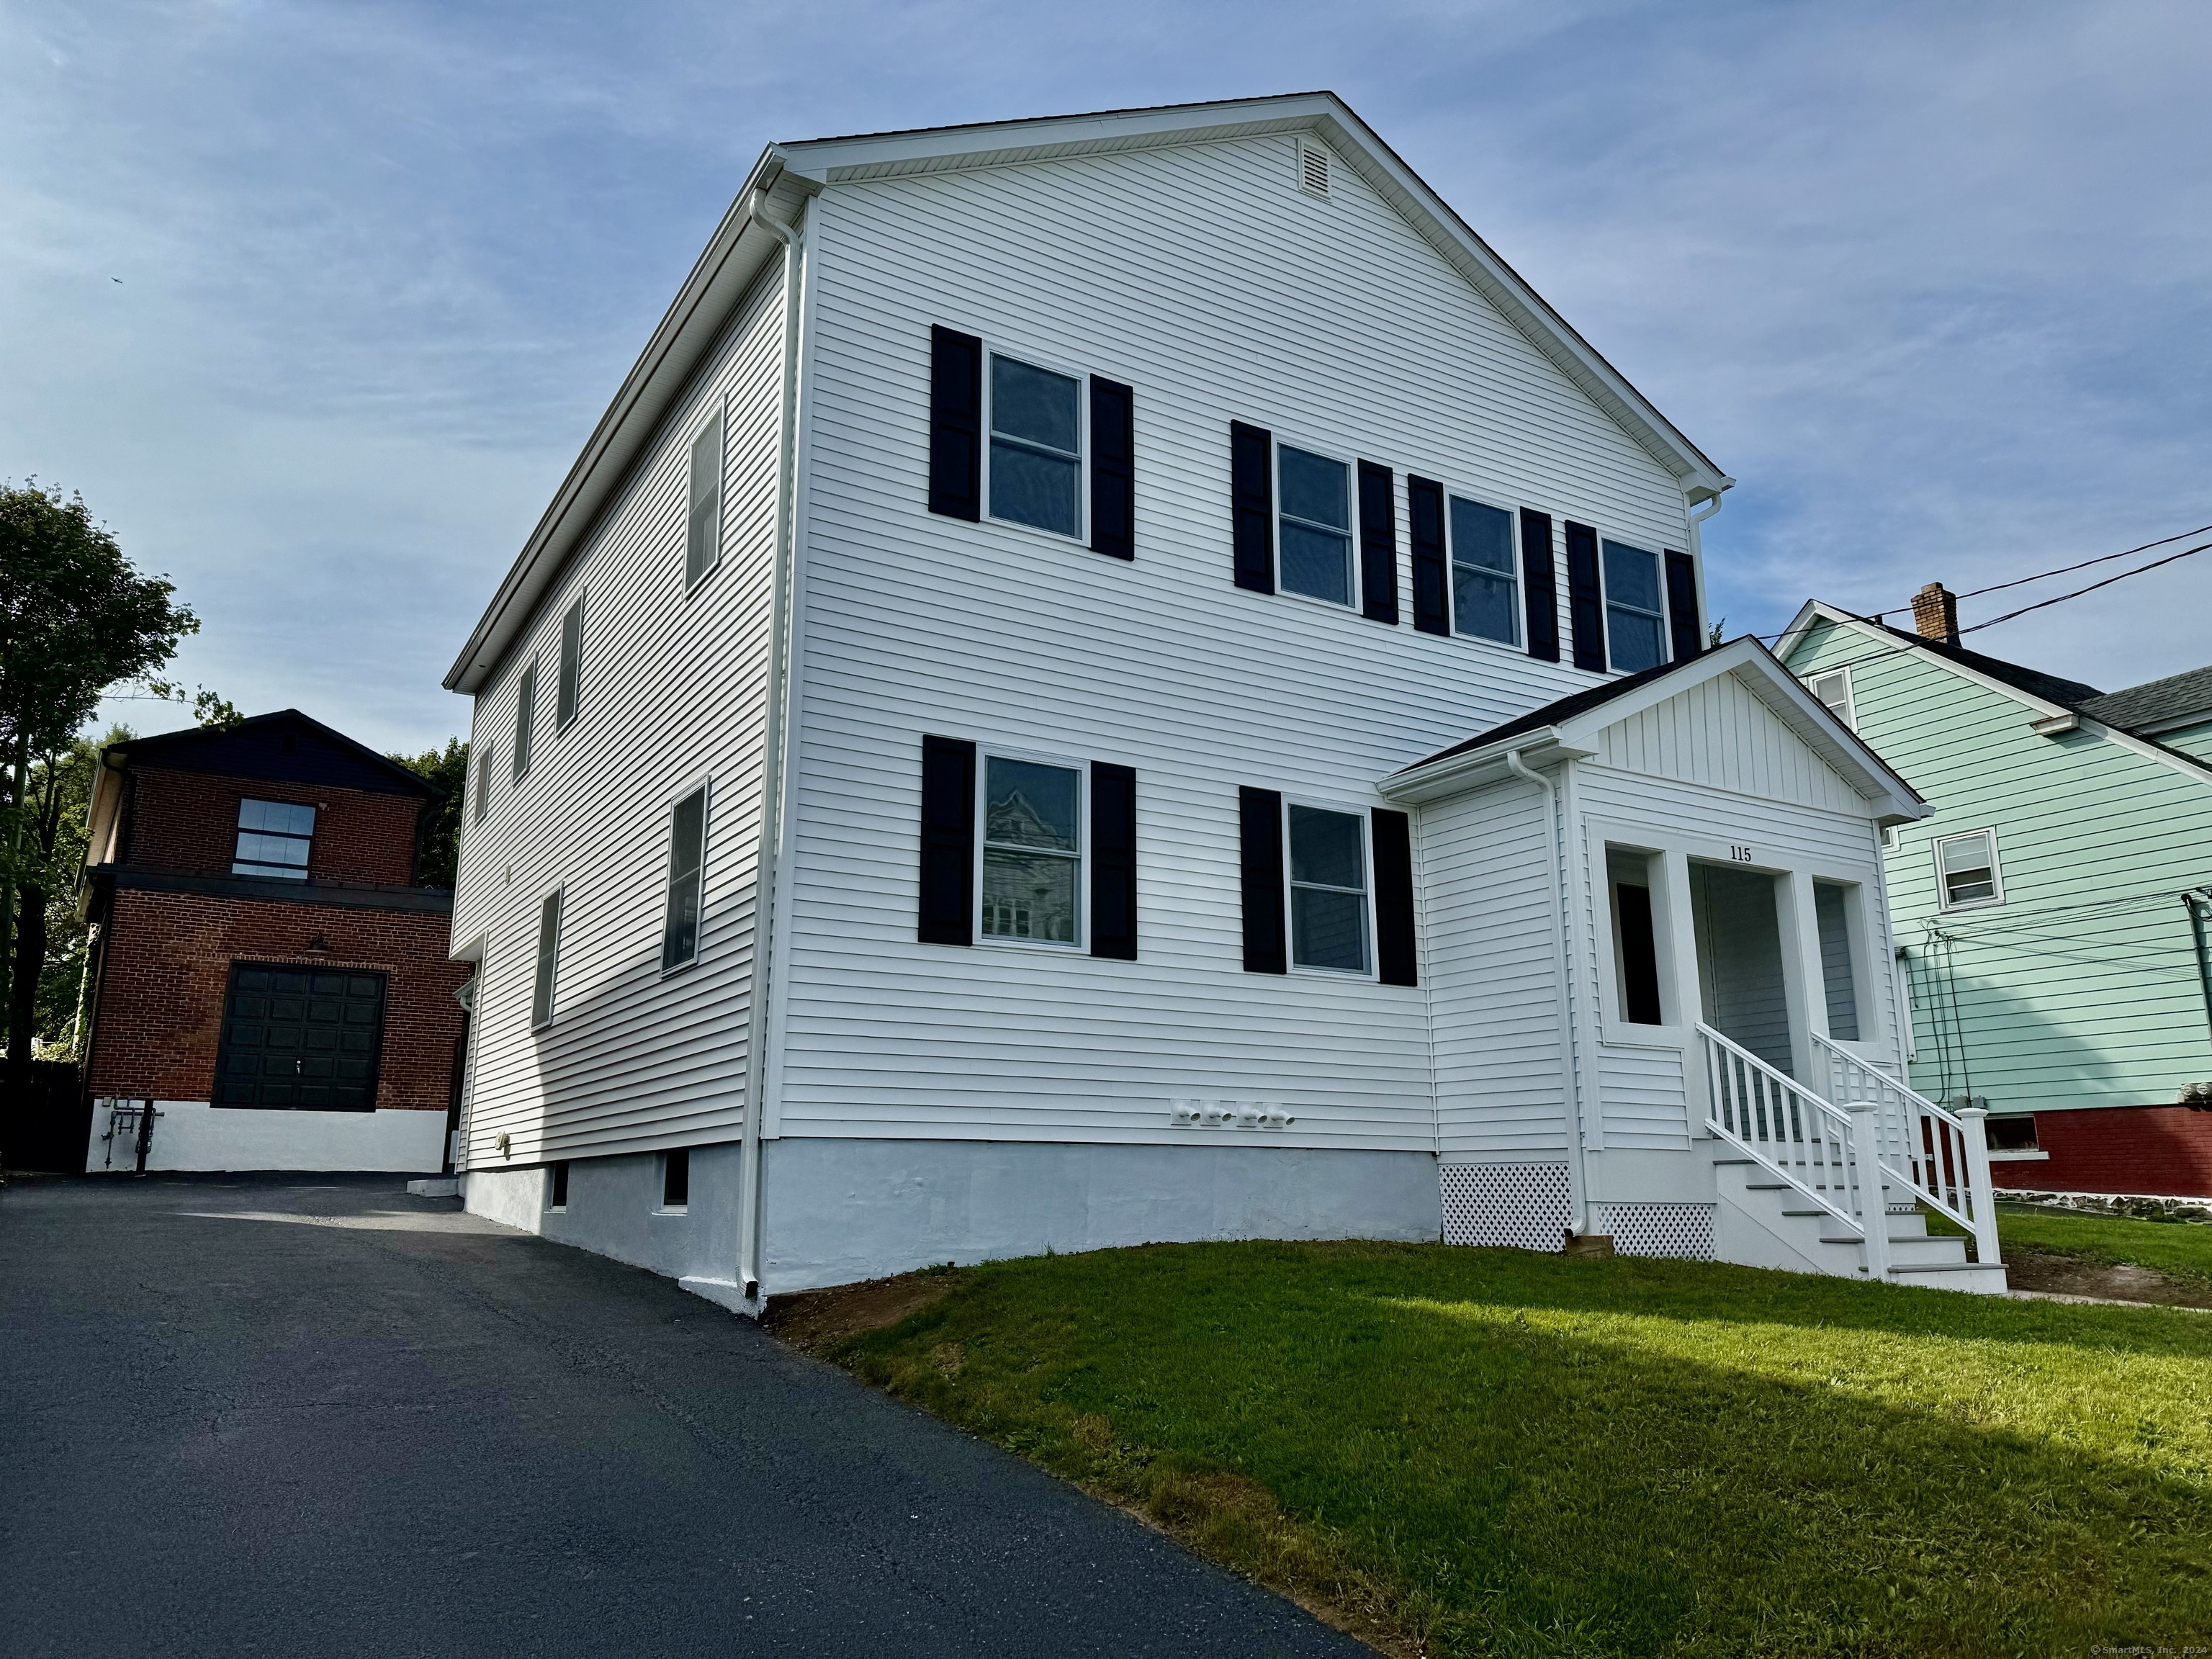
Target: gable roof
[2046,694]
[271,746]
[1571,723]
[787,174]
[2181,699]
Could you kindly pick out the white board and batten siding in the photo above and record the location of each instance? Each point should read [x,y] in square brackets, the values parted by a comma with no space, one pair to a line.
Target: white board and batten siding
[672,696]
[1202,277]
[1714,772]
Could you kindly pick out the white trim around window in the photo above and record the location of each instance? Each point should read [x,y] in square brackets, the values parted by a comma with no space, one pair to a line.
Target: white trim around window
[702,499]
[545,962]
[1483,575]
[684,876]
[1832,690]
[1035,436]
[1969,870]
[1609,604]
[1032,879]
[1315,888]
[1317,527]
[524,735]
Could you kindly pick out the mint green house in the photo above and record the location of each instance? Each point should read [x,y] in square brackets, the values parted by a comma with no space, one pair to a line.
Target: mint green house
[2051,916]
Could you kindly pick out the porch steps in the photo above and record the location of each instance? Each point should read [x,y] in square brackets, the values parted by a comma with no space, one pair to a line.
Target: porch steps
[1766,1223]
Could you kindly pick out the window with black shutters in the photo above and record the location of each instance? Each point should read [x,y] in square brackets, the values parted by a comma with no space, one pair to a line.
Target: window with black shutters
[300,1038]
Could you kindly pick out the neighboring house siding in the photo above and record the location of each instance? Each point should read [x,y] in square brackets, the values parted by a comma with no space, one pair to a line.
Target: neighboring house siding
[1203,279]
[2195,741]
[673,694]
[2081,988]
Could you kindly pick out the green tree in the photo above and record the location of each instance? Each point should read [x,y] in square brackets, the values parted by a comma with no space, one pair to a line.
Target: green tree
[75,619]
[448,768]
[59,800]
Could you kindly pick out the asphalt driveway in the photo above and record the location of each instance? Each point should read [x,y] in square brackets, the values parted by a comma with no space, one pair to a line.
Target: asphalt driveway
[311,1415]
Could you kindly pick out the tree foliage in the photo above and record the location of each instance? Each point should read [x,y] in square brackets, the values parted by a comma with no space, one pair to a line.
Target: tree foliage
[448,768]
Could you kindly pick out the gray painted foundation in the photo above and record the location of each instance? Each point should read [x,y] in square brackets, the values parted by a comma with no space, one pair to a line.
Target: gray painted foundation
[836,1211]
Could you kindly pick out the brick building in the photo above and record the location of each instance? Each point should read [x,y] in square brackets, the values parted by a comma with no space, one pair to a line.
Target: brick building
[267,968]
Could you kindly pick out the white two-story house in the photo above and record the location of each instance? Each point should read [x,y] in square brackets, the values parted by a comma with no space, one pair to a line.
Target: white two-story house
[1123,678]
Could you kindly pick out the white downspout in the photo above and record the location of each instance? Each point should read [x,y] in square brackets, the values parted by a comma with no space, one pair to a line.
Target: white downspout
[1578,1162]
[1696,520]
[772,766]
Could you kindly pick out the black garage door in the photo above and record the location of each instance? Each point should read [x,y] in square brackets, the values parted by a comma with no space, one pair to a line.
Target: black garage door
[302,1037]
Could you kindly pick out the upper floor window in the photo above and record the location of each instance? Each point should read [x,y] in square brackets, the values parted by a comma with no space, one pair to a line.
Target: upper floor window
[1833,689]
[484,782]
[570,684]
[273,839]
[526,717]
[1328,889]
[1635,611]
[1313,525]
[548,961]
[1032,851]
[1486,578]
[1036,447]
[702,526]
[1967,870]
[687,873]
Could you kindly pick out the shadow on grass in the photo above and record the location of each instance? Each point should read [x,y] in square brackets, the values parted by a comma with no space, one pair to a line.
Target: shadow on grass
[1510,1454]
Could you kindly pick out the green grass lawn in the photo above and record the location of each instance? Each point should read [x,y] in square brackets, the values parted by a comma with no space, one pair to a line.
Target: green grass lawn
[2179,1249]
[1463,1451]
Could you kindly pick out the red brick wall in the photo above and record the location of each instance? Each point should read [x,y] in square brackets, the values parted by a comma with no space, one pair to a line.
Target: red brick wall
[188,822]
[2159,1150]
[167,964]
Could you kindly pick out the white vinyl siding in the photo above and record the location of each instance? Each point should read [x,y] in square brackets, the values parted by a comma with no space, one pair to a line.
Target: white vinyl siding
[1169,270]
[676,683]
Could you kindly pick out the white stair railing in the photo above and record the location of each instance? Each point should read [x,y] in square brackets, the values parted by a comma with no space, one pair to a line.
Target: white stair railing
[1941,1158]
[1827,1153]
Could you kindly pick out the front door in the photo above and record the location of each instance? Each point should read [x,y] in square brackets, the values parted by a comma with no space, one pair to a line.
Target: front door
[307,1038]
[1741,983]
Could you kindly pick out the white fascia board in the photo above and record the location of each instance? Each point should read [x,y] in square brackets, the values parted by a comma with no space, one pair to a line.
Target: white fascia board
[2173,759]
[1455,774]
[688,329]
[837,161]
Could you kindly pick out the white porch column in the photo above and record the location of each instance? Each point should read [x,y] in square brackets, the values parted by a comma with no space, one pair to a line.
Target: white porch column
[1804,979]
[1676,924]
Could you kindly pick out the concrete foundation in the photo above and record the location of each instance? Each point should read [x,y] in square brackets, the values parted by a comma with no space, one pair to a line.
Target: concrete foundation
[192,1134]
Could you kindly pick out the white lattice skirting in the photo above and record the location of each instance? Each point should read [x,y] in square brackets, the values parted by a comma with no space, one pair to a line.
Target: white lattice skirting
[1684,1230]
[1528,1206]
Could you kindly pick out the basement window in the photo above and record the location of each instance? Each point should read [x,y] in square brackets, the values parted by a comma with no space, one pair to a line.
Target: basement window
[676,1180]
[273,839]
[2012,1134]
[556,1185]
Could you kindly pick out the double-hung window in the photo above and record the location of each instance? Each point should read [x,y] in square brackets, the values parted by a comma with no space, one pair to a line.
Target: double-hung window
[483,781]
[1313,525]
[687,870]
[1833,690]
[1635,611]
[526,719]
[570,684]
[273,839]
[1032,851]
[1486,579]
[1036,447]
[703,524]
[1967,870]
[549,960]
[1328,889]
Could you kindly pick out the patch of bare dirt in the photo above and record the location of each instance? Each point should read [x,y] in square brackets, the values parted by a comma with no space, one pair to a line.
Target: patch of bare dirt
[813,1321]
[2032,1270]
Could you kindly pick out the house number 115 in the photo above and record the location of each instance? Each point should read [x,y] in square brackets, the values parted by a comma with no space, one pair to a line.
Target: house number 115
[1741,854]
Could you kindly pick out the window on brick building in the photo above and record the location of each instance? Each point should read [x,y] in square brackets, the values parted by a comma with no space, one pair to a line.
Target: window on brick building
[273,839]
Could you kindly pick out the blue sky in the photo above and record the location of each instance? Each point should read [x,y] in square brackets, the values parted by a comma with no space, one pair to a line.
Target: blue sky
[1933,282]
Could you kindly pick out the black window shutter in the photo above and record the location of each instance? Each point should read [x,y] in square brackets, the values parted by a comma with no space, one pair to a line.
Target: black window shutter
[1585,606]
[1424,525]
[1113,469]
[1396,960]
[1682,606]
[1259,814]
[1541,577]
[948,842]
[1252,506]
[956,424]
[1378,544]
[1113,862]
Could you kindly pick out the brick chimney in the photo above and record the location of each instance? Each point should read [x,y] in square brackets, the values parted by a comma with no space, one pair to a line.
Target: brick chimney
[1936,613]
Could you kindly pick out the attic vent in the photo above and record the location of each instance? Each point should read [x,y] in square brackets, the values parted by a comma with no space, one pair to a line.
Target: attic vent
[1312,170]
